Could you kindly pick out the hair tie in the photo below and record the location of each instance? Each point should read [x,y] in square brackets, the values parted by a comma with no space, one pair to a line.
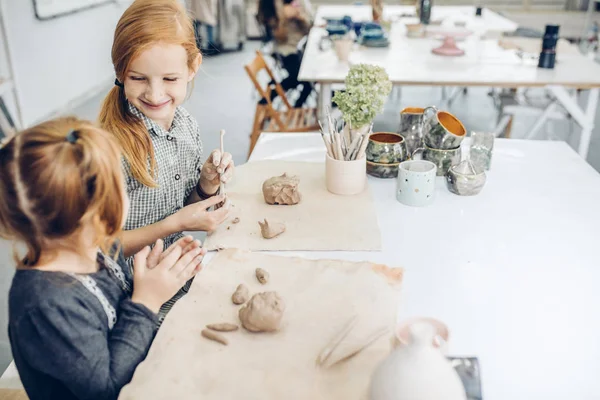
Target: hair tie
[119,84]
[72,136]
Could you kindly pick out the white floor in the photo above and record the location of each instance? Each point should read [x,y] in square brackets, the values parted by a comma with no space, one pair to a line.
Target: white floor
[223,98]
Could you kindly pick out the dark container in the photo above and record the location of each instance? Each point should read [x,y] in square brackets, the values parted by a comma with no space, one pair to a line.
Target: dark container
[548,53]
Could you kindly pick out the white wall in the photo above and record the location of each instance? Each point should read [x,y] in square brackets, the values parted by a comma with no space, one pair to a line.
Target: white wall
[58,61]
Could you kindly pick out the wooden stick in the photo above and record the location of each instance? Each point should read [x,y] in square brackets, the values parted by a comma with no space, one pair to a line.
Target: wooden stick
[221,184]
[363,145]
[369,341]
[338,147]
[353,147]
[335,341]
[327,145]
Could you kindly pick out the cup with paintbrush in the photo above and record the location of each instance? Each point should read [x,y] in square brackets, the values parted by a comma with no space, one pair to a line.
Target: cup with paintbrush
[345,161]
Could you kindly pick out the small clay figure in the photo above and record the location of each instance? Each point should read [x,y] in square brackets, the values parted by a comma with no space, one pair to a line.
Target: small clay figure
[223,327]
[241,294]
[235,220]
[263,313]
[282,190]
[262,275]
[214,336]
[271,229]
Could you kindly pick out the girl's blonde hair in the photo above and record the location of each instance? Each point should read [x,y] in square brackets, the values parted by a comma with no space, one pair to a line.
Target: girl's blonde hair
[54,178]
[144,23]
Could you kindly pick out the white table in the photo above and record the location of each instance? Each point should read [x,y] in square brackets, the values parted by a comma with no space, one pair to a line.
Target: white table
[514,271]
[410,62]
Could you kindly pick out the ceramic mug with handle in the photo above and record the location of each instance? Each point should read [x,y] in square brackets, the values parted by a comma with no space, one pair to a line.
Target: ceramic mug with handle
[442,130]
[443,159]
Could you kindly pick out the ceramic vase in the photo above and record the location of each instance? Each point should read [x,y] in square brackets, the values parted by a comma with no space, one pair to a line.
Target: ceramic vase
[417,371]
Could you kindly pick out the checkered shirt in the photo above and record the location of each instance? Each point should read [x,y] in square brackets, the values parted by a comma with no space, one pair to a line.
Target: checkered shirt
[178,154]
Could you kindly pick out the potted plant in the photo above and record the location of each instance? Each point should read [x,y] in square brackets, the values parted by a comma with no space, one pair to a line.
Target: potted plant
[367,89]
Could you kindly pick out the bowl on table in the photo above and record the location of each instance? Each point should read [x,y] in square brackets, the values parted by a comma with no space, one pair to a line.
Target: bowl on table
[385,151]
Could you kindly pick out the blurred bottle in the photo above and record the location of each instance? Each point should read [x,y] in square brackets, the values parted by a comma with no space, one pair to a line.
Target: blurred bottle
[424,11]
[548,53]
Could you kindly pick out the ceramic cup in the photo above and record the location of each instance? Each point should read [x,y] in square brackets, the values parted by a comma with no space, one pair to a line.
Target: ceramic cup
[442,130]
[416,183]
[411,127]
[440,340]
[345,177]
[384,171]
[443,159]
[343,47]
[465,179]
[386,148]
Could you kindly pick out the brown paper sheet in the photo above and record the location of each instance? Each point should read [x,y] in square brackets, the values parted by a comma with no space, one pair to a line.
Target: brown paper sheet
[321,221]
[321,296]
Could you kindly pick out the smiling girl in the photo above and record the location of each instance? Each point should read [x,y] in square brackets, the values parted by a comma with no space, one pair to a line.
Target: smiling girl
[155,59]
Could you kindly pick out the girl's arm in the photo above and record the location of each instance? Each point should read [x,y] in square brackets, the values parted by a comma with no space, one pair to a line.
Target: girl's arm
[68,341]
[136,239]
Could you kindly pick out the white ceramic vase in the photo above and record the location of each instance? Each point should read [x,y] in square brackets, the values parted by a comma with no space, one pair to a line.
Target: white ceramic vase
[417,371]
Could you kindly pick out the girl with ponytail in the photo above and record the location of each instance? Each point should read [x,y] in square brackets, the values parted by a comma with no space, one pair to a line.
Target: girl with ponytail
[170,187]
[80,321]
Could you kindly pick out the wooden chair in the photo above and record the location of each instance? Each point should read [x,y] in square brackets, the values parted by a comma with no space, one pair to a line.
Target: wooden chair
[267,118]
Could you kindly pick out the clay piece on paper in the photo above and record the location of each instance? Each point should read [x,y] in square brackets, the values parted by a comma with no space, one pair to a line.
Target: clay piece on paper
[223,327]
[262,275]
[241,294]
[269,230]
[211,335]
[263,313]
[235,220]
[282,190]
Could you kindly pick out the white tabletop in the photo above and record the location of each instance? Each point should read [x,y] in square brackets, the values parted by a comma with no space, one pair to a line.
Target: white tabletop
[514,271]
[409,61]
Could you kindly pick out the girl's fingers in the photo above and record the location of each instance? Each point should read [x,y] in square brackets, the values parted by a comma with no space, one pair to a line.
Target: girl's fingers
[139,260]
[192,268]
[192,246]
[181,242]
[154,256]
[226,160]
[216,157]
[184,260]
[171,259]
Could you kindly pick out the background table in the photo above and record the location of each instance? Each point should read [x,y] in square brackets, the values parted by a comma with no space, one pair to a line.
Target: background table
[409,61]
[513,271]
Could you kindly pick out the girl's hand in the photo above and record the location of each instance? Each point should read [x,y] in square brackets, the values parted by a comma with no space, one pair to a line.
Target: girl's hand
[153,287]
[158,253]
[217,168]
[196,217]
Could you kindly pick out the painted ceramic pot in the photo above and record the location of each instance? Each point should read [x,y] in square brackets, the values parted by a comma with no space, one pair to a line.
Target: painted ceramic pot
[386,148]
[411,127]
[384,171]
[442,130]
[465,179]
[443,159]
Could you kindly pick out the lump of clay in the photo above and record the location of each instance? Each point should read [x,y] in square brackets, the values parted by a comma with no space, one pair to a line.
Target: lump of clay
[263,313]
[262,275]
[271,229]
[282,190]
[241,294]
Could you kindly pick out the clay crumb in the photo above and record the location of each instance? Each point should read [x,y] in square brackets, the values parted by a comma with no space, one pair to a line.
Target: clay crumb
[235,220]
[241,294]
[262,275]
[223,327]
[211,335]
